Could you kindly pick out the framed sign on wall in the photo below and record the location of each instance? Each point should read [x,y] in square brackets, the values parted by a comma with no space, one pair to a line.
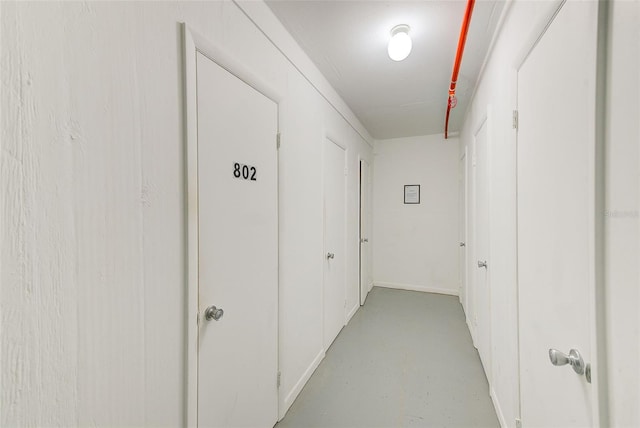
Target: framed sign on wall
[412,194]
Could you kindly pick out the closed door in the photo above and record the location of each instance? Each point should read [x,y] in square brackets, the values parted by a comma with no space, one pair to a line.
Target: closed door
[366,277]
[238,247]
[462,227]
[482,290]
[334,299]
[556,140]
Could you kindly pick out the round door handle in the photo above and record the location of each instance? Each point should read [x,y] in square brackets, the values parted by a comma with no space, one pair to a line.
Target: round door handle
[213,313]
[482,264]
[574,359]
[330,255]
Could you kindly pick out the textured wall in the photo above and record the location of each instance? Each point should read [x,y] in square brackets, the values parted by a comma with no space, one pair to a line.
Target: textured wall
[93,226]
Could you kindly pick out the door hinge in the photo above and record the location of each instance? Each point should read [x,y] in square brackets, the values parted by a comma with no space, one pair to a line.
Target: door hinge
[515,119]
[518,423]
[278,140]
[278,380]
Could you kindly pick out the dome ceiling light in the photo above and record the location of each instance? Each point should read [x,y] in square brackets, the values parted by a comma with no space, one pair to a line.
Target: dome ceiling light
[400,43]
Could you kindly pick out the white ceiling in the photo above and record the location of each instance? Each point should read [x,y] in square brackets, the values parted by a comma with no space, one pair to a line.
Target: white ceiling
[347,40]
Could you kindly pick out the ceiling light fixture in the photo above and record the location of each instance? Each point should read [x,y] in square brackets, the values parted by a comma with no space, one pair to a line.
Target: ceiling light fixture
[400,43]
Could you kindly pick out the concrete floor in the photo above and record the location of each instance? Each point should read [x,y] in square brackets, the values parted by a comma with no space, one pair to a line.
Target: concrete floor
[405,360]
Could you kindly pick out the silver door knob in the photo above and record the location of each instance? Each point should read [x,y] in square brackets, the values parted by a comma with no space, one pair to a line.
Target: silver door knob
[363,240]
[462,244]
[574,359]
[482,264]
[330,255]
[213,313]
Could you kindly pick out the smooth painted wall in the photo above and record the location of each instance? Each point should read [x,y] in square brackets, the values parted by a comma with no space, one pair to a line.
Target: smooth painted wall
[93,205]
[416,246]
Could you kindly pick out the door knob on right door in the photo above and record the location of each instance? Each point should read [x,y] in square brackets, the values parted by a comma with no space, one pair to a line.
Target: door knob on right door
[213,313]
[330,255]
[482,264]
[574,359]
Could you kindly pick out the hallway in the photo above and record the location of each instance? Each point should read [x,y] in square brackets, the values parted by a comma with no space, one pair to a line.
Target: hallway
[405,360]
[197,197]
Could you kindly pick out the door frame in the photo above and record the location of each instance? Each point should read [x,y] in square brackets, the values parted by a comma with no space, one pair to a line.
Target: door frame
[194,43]
[600,407]
[366,293]
[463,222]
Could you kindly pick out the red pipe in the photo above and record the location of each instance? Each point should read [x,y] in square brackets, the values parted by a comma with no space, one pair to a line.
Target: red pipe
[456,66]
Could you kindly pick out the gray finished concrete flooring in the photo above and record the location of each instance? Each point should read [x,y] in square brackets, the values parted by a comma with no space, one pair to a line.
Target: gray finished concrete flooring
[406,359]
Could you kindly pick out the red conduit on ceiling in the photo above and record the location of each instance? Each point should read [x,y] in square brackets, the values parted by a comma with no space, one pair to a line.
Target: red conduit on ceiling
[452,101]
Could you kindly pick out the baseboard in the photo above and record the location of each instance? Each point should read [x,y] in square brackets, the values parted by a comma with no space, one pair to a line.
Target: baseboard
[423,288]
[471,332]
[291,397]
[496,405]
[352,312]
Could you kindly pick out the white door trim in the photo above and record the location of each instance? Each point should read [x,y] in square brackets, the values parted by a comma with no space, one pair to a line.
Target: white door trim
[194,43]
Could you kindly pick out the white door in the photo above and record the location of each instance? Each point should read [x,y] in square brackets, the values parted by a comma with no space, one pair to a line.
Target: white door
[556,140]
[462,227]
[469,302]
[238,247]
[334,241]
[482,292]
[366,278]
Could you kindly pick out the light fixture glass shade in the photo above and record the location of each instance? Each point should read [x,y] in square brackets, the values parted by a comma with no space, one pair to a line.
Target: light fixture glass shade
[400,43]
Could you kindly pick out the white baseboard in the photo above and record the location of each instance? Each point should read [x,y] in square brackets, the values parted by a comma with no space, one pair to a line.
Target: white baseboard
[423,288]
[352,312]
[496,405]
[471,332]
[293,394]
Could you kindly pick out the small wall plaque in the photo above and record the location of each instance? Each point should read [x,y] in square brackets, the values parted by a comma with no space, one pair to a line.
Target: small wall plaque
[412,194]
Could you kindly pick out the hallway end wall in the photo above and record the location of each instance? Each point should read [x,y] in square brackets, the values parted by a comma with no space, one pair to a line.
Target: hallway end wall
[415,246]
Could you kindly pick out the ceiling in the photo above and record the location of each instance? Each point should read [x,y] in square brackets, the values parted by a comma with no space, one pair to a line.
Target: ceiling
[347,40]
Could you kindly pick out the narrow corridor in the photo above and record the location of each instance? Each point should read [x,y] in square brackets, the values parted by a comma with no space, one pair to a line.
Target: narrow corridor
[406,359]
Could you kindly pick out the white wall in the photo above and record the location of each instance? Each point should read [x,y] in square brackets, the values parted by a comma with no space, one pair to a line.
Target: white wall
[416,246]
[496,92]
[93,202]
[622,214]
